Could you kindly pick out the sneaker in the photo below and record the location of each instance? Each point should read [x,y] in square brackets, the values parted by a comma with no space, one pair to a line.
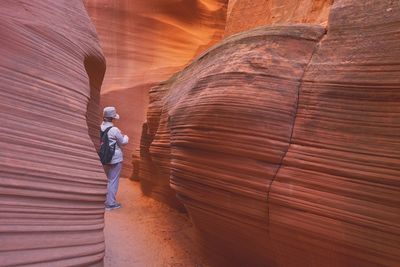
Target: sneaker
[113,207]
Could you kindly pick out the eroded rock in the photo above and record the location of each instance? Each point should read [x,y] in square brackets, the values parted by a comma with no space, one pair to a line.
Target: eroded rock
[281,142]
[337,191]
[52,185]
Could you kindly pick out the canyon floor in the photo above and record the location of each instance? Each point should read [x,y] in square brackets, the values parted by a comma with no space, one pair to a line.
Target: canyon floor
[145,232]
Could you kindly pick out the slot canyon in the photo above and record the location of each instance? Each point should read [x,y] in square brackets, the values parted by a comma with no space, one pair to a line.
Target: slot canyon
[262,132]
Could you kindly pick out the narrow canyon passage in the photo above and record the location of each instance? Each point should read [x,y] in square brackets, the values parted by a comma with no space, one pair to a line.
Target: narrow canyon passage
[145,232]
[273,124]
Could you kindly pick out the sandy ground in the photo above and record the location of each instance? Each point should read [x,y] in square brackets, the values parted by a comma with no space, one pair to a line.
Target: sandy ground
[145,232]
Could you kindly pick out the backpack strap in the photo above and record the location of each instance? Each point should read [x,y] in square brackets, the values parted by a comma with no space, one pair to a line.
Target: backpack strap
[105,131]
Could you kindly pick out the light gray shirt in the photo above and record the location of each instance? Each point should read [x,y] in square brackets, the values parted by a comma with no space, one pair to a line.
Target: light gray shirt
[115,137]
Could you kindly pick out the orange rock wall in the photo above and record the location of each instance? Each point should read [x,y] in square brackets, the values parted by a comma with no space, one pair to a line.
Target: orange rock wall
[145,42]
[243,15]
[282,142]
[52,186]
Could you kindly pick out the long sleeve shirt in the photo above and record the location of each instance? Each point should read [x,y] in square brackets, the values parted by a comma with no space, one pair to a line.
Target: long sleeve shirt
[115,137]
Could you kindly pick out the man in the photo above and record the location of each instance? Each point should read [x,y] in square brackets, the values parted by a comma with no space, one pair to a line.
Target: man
[113,168]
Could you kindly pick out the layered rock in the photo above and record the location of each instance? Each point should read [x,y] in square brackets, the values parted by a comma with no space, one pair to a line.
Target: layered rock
[155,149]
[225,124]
[144,43]
[281,142]
[246,14]
[338,190]
[52,186]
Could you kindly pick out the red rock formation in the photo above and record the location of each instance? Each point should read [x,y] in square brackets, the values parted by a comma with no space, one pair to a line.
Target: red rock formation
[52,186]
[145,42]
[155,169]
[246,14]
[338,190]
[226,143]
[283,144]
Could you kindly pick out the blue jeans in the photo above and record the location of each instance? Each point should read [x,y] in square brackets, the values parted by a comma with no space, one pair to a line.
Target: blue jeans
[113,171]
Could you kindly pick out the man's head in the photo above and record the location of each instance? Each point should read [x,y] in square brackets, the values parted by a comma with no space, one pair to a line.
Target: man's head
[110,113]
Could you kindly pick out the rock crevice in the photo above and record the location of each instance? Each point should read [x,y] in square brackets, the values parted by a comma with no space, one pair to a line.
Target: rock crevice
[295,116]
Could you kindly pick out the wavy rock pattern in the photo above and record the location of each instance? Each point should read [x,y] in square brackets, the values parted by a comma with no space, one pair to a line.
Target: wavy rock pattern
[144,43]
[52,186]
[235,144]
[246,14]
[202,132]
[155,149]
[282,143]
[338,190]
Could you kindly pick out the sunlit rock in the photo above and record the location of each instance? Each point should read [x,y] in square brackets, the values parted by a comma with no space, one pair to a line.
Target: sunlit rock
[144,43]
[246,14]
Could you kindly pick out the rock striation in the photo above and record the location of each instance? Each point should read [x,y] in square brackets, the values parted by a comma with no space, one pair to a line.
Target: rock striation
[220,129]
[52,185]
[337,191]
[246,14]
[282,143]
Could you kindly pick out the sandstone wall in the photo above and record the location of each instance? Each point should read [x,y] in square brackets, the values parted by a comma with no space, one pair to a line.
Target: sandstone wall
[246,14]
[144,43]
[282,142]
[52,185]
[339,184]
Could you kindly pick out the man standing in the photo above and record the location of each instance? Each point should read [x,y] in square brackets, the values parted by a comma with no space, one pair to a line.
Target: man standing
[113,168]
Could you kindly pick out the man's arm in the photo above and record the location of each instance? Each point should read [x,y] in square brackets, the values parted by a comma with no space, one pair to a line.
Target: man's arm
[121,139]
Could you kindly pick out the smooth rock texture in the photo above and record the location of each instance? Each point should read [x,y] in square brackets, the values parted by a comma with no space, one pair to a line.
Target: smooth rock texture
[145,42]
[243,15]
[52,185]
[282,142]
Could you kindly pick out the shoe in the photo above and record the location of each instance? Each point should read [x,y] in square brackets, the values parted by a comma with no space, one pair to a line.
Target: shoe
[113,207]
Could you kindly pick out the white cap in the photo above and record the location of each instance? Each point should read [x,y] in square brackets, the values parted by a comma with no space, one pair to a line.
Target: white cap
[110,112]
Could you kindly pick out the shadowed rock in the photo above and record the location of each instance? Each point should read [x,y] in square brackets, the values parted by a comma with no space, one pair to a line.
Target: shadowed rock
[52,185]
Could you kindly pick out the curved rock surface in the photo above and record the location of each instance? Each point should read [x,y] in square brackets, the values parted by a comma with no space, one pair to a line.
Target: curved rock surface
[340,179]
[246,14]
[52,185]
[282,142]
[221,145]
[144,43]
[147,41]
